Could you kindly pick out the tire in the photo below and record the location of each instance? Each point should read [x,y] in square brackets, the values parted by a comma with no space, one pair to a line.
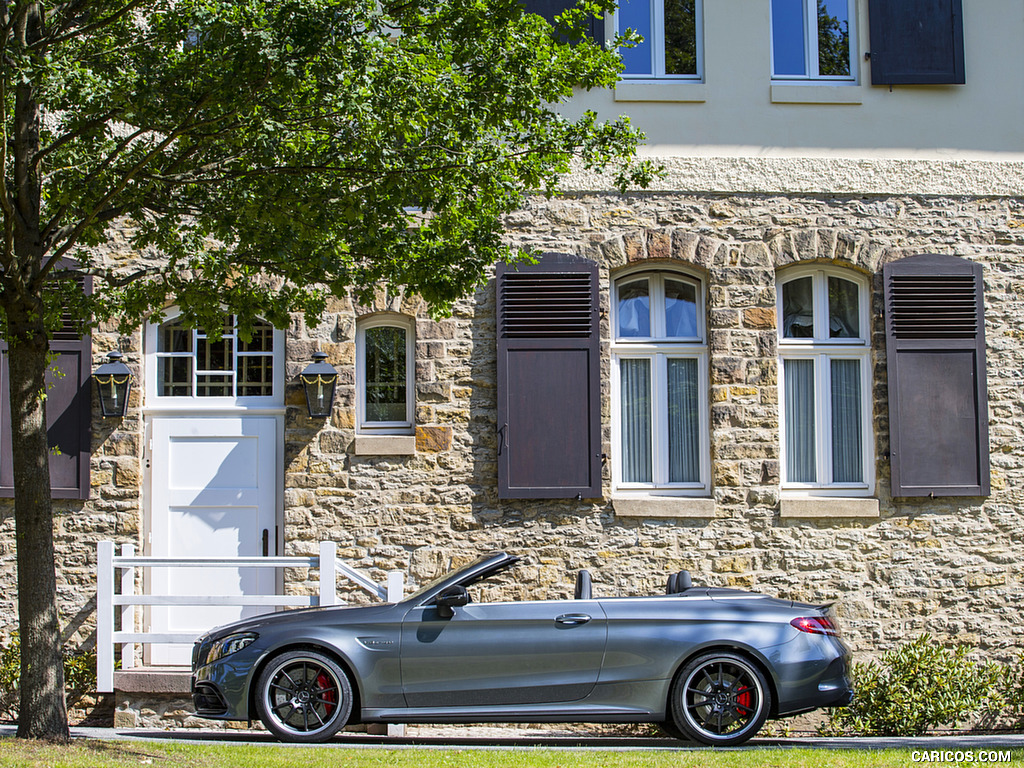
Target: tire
[303,696]
[720,699]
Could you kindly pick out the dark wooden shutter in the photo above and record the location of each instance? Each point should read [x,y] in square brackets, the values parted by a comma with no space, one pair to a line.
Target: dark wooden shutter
[916,42]
[551,8]
[549,390]
[938,395]
[68,412]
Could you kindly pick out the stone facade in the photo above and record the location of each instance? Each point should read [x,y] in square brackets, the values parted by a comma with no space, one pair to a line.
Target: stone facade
[949,566]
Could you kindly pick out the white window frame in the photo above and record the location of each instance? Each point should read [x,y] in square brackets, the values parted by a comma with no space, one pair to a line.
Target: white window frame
[194,401]
[821,349]
[811,47]
[658,349]
[407,324]
[658,46]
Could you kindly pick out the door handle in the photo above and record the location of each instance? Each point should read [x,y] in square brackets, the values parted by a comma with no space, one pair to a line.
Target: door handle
[266,542]
[572,619]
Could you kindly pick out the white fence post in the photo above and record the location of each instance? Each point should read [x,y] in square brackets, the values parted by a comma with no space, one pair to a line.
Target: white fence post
[328,573]
[127,611]
[105,617]
[396,586]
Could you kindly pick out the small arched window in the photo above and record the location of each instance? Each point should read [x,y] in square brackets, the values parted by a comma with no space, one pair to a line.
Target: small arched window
[659,385]
[825,381]
[385,371]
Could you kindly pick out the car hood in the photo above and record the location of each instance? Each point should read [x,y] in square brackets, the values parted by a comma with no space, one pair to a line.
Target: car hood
[268,620]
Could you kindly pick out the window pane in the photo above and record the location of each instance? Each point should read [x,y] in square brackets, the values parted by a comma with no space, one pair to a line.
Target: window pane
[174,376]
[680,37]
[788,39]
[683,422]
[680,309]
[800,437]
[385,374]
[255,376]
[174,337]
[214,386]
[214,355]
[634,310]
[847,463]
[636,421]
[833,38]
[843,309]
[262,339]
[798,309]
[636,15]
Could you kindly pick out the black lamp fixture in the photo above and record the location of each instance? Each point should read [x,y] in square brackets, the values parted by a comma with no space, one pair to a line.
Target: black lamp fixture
[319,380]
[114,382]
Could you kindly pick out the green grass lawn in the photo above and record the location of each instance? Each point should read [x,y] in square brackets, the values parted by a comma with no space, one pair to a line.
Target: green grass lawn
[101,754]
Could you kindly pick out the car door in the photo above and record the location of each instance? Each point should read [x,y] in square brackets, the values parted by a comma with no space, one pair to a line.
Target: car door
[502,653]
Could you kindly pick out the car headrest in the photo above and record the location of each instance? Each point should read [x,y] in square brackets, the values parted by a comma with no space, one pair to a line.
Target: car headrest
[678,583]
[583,582]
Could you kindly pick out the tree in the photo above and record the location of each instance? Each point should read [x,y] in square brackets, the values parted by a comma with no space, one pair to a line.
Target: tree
[267,153]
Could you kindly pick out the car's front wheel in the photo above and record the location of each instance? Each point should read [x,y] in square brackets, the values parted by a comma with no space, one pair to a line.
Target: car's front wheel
[303,696]
[721,699]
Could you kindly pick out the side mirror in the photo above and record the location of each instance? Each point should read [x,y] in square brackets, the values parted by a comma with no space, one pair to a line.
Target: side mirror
[450,599]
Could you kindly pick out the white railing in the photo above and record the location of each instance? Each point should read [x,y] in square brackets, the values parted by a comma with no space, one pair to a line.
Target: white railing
[107,564]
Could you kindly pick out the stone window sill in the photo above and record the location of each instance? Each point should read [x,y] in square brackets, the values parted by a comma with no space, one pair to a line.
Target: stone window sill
[664,507]
[817,508]
[665,91]
[816,94]
[385,445]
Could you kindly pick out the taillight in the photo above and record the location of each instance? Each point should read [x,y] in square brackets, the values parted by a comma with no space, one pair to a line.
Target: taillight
[816,625]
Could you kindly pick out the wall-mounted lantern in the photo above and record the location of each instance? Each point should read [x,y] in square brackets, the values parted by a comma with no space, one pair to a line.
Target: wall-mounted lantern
[319,380]
[114,382]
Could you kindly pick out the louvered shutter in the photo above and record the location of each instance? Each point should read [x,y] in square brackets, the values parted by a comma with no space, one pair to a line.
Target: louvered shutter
[916,42]
[549,393]
[938,396]
[68,412]
[551,8]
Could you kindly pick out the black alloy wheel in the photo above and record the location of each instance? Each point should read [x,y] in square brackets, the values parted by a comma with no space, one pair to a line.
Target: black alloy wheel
[303,696]
[721,699]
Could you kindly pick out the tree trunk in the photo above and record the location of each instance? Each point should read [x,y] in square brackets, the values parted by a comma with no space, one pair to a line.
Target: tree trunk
[42,709]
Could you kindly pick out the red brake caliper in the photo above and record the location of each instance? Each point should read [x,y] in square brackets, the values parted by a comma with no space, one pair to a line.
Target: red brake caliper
[329,694]
[743,700]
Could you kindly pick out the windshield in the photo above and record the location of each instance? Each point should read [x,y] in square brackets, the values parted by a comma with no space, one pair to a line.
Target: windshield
[449,576]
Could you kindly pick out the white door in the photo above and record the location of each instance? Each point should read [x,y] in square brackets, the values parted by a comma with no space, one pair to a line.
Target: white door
[213,494]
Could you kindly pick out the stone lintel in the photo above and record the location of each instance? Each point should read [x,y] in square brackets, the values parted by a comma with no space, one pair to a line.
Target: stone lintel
[153,680]
[385,445]
[664,507]
[823,507]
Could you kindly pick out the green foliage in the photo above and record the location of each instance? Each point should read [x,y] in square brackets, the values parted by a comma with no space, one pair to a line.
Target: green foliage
[79,675]
[915,687]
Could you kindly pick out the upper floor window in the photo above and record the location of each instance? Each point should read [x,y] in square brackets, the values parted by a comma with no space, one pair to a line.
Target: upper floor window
[193,363]
[825,380]
[813,39]
[385,367]
[671,46]
[659,384]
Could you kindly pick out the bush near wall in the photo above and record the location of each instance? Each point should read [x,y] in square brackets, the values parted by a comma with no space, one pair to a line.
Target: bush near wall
[921,685]
[79,676]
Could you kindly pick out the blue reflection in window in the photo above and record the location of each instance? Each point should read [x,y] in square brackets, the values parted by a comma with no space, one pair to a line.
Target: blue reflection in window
[636,14]
[788,38]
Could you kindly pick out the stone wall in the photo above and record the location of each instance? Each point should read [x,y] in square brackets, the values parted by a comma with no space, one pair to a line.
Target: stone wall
[947,566]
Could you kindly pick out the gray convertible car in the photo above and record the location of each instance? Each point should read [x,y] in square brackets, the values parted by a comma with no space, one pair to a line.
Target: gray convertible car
[707,664]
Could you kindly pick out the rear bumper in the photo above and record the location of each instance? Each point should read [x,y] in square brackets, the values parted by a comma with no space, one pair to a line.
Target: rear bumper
[813,673]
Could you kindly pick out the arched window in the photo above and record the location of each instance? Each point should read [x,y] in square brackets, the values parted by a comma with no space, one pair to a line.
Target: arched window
[825,381]
[190,363]
[659,385]
[385,370]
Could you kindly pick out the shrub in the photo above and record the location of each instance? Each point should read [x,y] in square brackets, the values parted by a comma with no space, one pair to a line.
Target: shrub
[915,687]
[79,675]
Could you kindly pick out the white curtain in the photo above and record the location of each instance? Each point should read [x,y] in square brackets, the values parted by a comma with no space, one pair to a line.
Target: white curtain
[636,420]
[847,462]
[683,423]
[800,436]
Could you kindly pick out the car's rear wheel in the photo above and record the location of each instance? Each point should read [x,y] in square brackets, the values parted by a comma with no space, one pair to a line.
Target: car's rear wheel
[303,696]
[721,699]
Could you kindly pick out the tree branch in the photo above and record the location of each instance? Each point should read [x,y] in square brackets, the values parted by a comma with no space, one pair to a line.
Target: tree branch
[48,42]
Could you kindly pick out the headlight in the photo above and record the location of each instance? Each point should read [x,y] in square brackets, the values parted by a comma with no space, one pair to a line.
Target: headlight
[228,645]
